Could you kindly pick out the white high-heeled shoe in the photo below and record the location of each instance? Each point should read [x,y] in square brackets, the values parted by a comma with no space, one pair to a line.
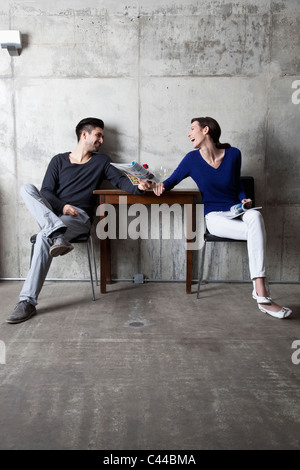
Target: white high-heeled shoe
[260,299]
[283,313]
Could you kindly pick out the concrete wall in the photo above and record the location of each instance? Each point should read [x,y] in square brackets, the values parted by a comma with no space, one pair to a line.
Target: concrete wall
[146,67]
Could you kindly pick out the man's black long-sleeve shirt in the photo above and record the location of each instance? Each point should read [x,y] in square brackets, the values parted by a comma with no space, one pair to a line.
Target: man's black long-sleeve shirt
[72,183]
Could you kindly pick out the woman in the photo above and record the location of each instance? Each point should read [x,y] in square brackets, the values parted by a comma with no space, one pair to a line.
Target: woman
[215,168]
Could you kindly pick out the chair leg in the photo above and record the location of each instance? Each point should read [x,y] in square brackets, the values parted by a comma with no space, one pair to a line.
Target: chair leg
[201,269]
[31,254]
[90,268]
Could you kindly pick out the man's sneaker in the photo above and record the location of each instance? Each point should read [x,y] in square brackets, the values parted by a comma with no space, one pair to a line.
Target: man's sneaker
[22,312]
[60,247]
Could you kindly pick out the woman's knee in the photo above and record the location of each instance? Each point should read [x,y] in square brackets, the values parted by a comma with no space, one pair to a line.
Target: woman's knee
[255,221]
[253,216]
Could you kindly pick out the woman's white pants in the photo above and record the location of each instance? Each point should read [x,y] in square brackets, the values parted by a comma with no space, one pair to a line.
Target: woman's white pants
[250,226]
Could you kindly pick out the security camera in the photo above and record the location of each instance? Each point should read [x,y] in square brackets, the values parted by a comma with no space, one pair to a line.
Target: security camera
[11,40]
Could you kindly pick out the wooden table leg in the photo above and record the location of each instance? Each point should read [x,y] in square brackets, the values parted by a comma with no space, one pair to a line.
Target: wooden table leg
[108,261]
[190,219]
[103,266]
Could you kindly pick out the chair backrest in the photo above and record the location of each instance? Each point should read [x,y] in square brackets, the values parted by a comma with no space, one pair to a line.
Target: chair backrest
[248,184]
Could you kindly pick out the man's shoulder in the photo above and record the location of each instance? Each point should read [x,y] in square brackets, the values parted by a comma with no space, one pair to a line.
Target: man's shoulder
[60,156]
[101,156]
[100,161]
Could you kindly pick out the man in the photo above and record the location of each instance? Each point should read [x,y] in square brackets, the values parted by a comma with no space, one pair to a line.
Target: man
[64,207]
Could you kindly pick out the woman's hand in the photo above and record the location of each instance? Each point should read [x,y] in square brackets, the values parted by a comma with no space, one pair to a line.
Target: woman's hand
[248,203]
[158,188]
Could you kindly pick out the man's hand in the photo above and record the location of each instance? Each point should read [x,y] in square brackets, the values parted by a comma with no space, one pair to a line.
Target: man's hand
[70,210]
[144,185]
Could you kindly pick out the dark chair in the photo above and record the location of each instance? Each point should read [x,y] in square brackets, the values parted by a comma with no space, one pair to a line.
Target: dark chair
[248,183]
[86,238]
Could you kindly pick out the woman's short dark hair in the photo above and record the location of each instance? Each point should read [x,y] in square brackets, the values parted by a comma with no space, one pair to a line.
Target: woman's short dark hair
[214,130]
[88,124]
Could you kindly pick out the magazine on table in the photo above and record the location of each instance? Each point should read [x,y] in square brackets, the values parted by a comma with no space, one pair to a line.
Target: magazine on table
[135,171]
[240,209]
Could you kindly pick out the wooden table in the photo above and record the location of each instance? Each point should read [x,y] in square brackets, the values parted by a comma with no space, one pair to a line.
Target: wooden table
[112,196]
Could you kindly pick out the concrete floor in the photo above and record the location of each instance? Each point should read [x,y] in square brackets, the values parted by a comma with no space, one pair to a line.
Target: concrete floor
[149,367]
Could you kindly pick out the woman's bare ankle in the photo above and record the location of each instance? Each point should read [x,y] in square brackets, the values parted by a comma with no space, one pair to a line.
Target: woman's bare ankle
[260,287]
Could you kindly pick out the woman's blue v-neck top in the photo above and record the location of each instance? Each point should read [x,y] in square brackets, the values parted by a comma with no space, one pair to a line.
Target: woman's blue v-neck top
[220,187]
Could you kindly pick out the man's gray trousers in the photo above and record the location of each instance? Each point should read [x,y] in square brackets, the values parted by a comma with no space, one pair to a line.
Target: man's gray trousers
[48,222]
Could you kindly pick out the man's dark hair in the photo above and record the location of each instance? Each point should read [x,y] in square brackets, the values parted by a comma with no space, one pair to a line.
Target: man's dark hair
[88,124]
